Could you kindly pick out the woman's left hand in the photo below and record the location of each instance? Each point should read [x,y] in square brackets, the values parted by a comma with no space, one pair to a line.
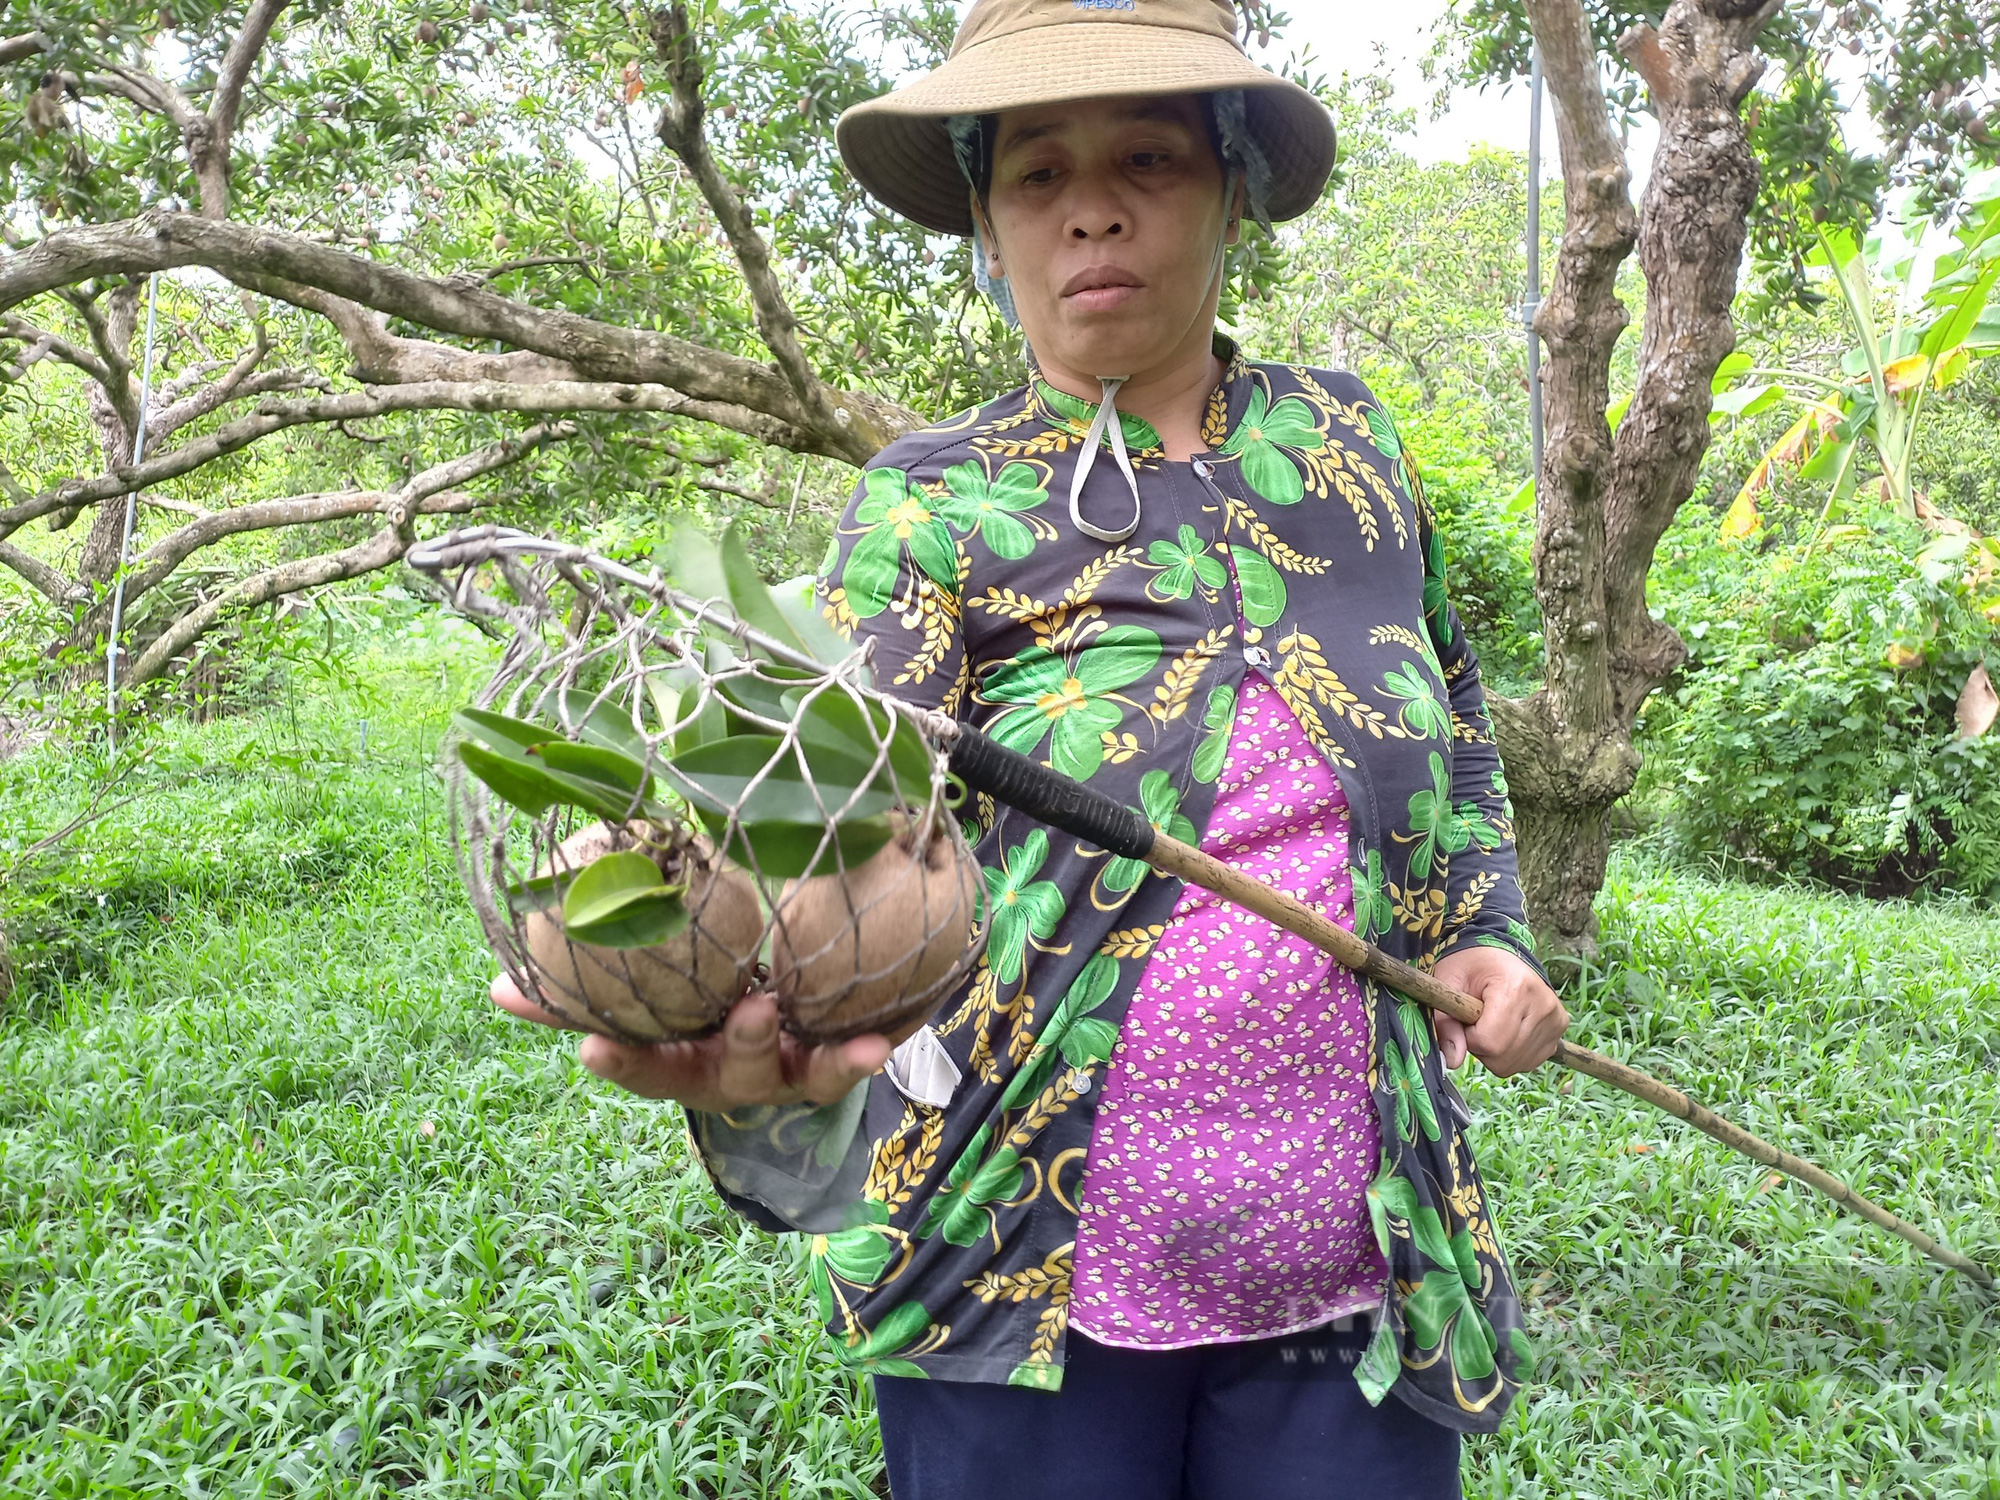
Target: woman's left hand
[1522,1020]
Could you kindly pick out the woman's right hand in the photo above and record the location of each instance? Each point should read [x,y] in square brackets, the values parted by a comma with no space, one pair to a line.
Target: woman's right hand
[751,1061]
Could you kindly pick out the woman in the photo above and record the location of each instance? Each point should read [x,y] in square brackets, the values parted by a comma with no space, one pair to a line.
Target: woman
[1129,1198]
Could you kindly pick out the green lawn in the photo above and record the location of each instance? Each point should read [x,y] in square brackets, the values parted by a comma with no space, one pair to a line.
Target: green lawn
[289,1210]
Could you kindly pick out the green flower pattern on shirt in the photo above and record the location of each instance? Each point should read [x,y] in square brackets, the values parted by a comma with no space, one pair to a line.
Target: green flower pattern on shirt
[1261,441]
[1070,697]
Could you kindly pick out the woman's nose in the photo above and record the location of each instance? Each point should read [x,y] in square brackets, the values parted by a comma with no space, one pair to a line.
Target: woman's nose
[1095,211]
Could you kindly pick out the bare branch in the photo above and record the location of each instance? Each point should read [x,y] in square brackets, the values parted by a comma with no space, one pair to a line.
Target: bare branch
[555,397]
[227,101]
[766,496]
[42,578]
[529,262]
[11,487]
[157,563]
[680,129]
[14,49]
[431,492]
[854,427]
[143,89]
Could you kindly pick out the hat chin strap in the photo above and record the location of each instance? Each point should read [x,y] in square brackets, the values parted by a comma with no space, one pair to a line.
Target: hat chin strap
[1106,420]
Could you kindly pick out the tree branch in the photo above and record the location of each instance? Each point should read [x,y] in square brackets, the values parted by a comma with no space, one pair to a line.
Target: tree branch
[42,578]
[680,128]
[430,492]
[857,427]
[15,49]
[1693,222]
[227,101]
[552,398]
[41,344]
[1581,321]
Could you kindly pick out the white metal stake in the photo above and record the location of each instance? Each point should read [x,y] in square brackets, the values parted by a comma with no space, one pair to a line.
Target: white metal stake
[1534,301]
[131,517]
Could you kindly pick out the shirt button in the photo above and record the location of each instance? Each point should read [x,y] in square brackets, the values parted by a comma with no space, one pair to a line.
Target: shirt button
[1203,467]
[1257,656]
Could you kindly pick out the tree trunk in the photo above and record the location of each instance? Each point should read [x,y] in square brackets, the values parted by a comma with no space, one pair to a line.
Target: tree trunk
[1603,502]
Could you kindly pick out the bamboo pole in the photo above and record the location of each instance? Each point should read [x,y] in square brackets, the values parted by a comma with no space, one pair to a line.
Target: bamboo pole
[1173,857]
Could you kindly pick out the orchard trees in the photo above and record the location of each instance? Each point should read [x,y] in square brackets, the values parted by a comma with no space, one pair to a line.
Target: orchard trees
[423,259]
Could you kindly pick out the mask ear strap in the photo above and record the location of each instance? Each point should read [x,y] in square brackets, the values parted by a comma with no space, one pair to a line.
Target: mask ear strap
[1105,421]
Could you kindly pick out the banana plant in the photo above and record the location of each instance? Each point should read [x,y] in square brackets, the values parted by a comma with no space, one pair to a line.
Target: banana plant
[1938,282]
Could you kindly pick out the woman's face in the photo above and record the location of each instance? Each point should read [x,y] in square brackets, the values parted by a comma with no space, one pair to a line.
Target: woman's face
[1105,218]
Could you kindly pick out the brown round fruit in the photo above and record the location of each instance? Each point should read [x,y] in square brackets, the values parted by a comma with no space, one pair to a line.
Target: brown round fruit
[676,989]
[871,950]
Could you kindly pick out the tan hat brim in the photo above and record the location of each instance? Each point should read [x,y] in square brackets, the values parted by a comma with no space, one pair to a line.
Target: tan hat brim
[897,145]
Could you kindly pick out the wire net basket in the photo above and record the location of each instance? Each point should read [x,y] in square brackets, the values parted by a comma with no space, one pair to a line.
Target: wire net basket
[657,805]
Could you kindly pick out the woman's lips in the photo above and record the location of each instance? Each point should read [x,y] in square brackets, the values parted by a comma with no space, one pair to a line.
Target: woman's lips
[1101,298]
[1100,289]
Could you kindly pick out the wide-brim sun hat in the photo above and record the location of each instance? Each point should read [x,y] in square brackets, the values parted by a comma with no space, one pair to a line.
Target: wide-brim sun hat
[1024,54]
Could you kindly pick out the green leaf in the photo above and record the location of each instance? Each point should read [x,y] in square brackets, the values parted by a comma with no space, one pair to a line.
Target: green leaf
[835,720]
[750,597]
[758,777]
[503,753]
[767,690]
[496,730]
[786,851]
[609,883]
[608,769]
[1748,401]
[603,723]
[797,599]
[540,893]
[622,901]
[693,563]
[665,698]
[530,788]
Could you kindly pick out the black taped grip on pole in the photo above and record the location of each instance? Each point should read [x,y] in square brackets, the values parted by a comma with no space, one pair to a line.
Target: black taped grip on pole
[1010,777]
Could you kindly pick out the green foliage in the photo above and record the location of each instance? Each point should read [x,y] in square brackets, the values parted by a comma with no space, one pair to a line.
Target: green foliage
[1813,734]
[1927,65]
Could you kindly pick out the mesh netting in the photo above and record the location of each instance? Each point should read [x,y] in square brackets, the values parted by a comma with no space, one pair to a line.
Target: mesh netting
[661,800]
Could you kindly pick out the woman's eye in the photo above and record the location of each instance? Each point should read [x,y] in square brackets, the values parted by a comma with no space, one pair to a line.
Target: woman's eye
[1039,176]
[1146,160]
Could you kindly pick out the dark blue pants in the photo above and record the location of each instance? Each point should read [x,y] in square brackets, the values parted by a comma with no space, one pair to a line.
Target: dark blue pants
[1219,1422]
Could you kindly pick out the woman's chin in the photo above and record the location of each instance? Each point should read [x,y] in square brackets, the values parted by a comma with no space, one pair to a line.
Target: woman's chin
[1101,357]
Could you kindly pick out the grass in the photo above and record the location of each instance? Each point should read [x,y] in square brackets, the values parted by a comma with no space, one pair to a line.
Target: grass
[287,1209]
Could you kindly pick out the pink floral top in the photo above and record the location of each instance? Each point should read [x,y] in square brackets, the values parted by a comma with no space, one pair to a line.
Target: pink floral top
[1225,1193]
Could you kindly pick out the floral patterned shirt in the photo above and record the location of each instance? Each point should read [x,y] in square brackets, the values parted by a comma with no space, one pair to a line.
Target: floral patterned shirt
[943,1238]
[1224,1197]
